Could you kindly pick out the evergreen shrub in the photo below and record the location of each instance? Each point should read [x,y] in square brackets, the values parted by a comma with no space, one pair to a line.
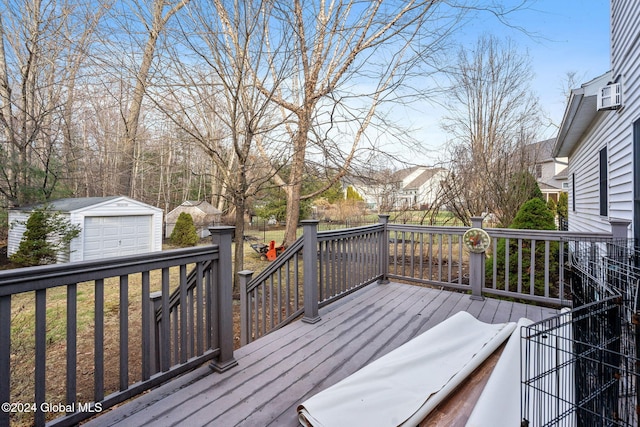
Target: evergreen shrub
[184,233]
[47,234]
[532,215]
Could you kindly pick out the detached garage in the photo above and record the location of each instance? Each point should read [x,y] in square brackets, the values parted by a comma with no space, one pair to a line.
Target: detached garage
[111,226]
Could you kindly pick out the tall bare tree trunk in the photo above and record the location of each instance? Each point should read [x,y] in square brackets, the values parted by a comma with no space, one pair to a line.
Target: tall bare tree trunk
[129,159]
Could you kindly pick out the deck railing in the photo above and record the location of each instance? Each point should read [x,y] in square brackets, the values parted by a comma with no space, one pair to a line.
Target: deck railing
[432,255]
[109,349]
[527,265]
[319,267]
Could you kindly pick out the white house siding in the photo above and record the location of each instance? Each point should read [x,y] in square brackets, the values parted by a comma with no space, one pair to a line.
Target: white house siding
[584,165]
[613,129]
[17,222]
[625,67]
[620,156]
[429,191]
[625,25]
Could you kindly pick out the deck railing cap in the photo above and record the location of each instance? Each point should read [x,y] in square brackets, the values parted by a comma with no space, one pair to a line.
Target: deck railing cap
[221,228]
[310,221]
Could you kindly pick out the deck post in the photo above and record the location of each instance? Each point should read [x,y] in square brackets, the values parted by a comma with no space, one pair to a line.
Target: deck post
[310,268]
[223,236]
[619,228]
[384,250]
[476,266]
[619,250]
[244,277]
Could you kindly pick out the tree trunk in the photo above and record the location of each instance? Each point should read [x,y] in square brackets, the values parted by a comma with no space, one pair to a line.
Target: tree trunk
[128,164]
[293,189]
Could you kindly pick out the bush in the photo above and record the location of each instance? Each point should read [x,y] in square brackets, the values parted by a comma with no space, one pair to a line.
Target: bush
[184,233]
[553,207]
[47,234]
[533,215]
[563,206]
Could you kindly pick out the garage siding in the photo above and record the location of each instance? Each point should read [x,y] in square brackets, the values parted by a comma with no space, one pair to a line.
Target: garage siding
[111,226]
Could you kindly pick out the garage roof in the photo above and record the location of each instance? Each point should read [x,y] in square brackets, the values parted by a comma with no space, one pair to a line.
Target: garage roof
[75,203]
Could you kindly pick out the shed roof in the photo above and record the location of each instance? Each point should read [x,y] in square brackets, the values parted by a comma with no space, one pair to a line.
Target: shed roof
[203,206]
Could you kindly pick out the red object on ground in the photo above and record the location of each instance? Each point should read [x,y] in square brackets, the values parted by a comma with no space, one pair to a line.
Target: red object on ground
[274,251]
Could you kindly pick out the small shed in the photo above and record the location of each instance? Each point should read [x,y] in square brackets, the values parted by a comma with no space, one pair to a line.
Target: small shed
[110,226]
[204,215]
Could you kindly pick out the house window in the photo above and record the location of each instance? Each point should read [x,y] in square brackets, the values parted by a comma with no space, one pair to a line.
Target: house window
[538,171]
[604,211]
[573,192]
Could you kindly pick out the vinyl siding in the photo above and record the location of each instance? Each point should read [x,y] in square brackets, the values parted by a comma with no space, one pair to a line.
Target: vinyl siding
[625,66]
[112,208]
[613,129]
[625,34]
[17,220]
[584,163]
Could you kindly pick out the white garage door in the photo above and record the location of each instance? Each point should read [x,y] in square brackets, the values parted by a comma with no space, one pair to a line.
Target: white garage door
[109,236]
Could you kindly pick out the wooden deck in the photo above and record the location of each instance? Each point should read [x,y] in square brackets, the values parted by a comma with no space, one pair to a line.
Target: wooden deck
[281,370]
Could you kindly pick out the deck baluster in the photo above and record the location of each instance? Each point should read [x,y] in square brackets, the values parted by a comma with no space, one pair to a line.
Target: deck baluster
[244,277]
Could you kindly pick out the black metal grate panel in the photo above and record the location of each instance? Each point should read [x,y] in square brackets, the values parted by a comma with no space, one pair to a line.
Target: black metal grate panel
[581,367]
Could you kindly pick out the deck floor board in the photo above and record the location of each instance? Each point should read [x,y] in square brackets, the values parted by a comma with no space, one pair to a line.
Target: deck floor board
[279,371]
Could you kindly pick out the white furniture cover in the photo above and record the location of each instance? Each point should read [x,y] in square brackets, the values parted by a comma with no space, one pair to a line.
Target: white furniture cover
[403,386]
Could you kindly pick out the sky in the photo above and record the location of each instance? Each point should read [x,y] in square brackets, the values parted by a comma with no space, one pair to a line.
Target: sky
[564,36]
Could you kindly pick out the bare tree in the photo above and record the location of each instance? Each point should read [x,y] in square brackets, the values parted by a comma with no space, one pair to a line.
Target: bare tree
[213,97]
[42,48]
[345,62]
[344,59]
[494,115]
[153,16]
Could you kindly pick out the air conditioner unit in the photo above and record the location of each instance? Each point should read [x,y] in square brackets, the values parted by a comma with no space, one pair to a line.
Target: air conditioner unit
[610,97]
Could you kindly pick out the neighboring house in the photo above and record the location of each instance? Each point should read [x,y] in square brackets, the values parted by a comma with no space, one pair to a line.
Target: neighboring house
[110,226]
[418,187]
[411,188]
[600,134]
[549,171]
[204,215]
[374,191]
